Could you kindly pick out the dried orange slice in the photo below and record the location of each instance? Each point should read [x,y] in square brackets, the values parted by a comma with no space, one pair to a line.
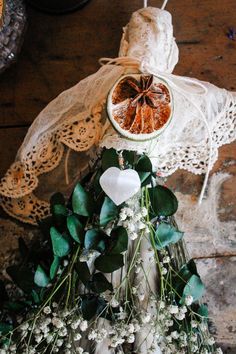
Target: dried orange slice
[140,106]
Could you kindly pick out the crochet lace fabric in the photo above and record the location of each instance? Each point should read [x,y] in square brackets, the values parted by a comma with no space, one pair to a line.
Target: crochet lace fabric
[60,145]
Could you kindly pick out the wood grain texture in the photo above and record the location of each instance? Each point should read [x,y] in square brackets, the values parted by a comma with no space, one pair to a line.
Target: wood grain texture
[59,51]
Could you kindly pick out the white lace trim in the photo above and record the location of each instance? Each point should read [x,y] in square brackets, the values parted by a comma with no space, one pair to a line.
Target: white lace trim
[75,119]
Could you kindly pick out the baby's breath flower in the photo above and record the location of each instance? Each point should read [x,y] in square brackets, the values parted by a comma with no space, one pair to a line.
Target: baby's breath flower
[131,338]
[162,305]
[131,328]
[144,211]
[141,225]
[173,309]
[175,335]
[180,316]
[194,324]
[164,271]
[83,325]
[92,335]
[77,336]
[146,317]
[194,348]
[63,332]
[169,323]
[166,259]
[133,235]
[49,338]
[188,300]
[75,324]
[57,322]
[210,341]
[24,326]
[183,309]
[59,343]
[141,296]
[193,337]
[38,338]
[114,302]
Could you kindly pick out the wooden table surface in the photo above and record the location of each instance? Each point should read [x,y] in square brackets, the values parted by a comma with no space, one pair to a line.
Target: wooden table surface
[58,51]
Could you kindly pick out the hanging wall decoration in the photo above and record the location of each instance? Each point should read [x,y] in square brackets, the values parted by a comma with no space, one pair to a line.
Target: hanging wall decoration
[111,274]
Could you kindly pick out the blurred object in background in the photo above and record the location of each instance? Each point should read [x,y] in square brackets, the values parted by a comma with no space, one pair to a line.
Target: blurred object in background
[12,26]
[58,6]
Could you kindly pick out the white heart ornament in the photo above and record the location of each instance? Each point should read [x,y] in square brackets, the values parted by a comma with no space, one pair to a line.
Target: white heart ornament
[120,185]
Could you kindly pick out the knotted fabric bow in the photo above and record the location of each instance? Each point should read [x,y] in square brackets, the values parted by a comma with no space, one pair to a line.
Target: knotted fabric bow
[178,83]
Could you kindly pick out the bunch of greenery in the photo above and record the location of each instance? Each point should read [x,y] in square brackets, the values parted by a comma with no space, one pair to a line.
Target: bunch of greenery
[62,278]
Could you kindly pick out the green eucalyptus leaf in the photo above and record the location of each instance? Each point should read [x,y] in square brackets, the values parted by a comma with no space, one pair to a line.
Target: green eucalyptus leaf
[89,307]
[183,276]
[96,184]
[59,210]
[108,212]
[203,311]
[144,164]
[82,201]
[83,272]
[109,159]
[95,239]
[35,296]
[40,277]
[54,267]
[3,293]
[192,267]
[5,328]
[75,228]
[109,263]
[24,251]
[128,157]
[194,287]
[57,198]
[15,306]
[99,283]
[60,243]
[163,201]
[166,234]
[145,177]
[119,240]
[22,277]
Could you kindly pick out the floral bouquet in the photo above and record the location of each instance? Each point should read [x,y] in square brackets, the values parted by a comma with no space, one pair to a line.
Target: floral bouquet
[107,278]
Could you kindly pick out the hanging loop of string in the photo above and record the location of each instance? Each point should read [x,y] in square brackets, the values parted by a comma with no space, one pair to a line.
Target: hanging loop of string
[145,4]
[179,84]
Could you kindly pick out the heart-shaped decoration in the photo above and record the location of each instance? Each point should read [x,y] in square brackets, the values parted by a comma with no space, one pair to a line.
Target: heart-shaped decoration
[120,185]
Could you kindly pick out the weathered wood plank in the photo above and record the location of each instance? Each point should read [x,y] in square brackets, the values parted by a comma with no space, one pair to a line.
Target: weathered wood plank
[220,278]
[10,141]
[211,229]
[60,50]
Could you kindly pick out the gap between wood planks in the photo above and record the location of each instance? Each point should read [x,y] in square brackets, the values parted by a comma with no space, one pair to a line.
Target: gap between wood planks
[15,126]
[217,255]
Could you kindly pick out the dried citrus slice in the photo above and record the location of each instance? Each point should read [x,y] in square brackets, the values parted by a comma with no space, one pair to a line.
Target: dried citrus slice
[140,106]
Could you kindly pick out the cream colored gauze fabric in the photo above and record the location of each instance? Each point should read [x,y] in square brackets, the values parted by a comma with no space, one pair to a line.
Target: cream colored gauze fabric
[61,144]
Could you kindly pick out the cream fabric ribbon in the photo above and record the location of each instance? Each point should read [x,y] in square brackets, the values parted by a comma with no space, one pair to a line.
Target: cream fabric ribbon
[178,84]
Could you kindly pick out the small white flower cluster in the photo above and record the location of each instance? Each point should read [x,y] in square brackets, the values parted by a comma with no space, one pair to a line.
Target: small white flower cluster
[132,217]
[123,333]
[51,328]
[171,341]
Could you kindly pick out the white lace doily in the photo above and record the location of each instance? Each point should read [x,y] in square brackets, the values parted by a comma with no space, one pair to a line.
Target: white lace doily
[75,120]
